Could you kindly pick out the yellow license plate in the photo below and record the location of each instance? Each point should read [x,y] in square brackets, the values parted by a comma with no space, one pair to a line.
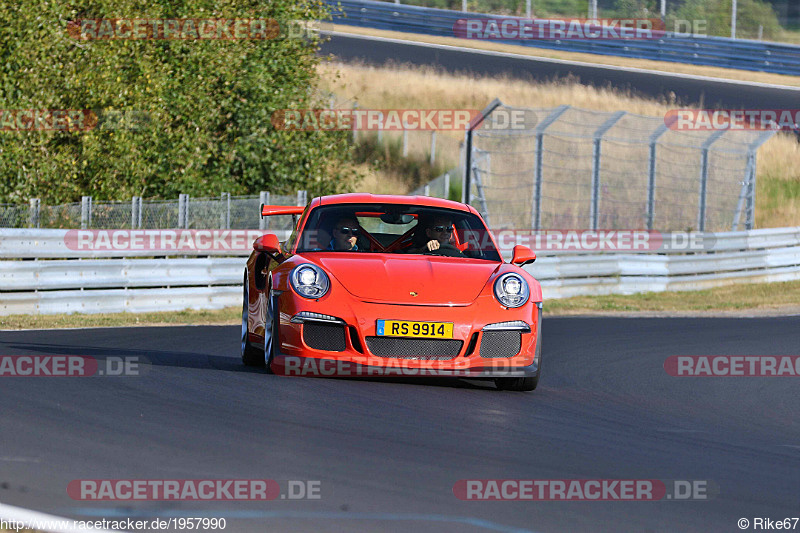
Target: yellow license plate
[406,328]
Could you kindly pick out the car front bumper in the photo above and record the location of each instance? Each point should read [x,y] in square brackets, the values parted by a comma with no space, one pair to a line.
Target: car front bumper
[351,349]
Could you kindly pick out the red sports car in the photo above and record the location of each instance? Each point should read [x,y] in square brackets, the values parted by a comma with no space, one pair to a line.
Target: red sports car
[373,285]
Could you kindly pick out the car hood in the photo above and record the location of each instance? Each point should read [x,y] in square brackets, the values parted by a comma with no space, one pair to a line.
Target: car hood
[393,279]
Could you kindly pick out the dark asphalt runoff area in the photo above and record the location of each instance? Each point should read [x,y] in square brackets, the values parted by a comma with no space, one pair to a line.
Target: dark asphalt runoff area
[387,454]
[689,91]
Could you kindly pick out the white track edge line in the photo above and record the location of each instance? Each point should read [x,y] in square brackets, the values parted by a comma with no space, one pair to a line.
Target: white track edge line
[20,514]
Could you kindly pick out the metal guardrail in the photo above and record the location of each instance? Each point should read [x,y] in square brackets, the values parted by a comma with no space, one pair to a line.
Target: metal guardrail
[130,284]
[55,244]
[742,54]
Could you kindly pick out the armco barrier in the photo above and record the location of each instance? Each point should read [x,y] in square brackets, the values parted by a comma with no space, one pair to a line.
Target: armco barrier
[86,284]
[740,54]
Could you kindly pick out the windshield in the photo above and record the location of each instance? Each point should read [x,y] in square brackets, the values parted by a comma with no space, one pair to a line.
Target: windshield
[396,229]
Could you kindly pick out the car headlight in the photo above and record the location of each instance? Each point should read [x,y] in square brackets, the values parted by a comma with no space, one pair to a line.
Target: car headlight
[511,290]
[310,281]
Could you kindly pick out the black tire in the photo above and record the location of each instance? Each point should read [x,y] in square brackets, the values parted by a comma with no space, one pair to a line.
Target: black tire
[517,384]
[251,355]
[529,383]
[270,346]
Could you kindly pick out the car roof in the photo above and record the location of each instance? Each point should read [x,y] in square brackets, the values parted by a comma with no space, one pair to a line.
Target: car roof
[365,198]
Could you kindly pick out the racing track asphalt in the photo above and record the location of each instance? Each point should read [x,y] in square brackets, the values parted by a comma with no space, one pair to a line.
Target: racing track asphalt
[689,90]
[388,453]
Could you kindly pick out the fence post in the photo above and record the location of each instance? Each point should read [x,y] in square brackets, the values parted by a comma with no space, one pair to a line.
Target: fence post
[433,147]
[225,214]
[474,123]
[427,190]
[86,212]
[750,178]
[750,211]
[133,212]
[183,210]
[302,196]
[136,212]
[405,141]
[744,192]
[263,222]
[651,179]
[447,185]
[536,210]
[597,152]
[35,207]
[463,158]
[701,210]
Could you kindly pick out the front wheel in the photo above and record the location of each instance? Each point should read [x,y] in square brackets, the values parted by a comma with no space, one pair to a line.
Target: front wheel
[251,355]
[270,334]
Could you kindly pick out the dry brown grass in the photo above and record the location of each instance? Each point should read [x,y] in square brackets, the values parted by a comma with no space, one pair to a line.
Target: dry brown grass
[681,68]
[778,191]
[755,299]
[377,182]
[778,195]
[229,315]
[397,87]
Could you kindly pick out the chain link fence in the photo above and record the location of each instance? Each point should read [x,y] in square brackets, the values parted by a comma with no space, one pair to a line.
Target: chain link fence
[224,212]
[572,168]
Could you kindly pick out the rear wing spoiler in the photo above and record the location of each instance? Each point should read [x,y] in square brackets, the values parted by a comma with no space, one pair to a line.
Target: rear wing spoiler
[271,210]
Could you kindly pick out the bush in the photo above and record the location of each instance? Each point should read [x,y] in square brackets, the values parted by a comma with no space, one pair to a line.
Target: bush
[207,105]
[750,15]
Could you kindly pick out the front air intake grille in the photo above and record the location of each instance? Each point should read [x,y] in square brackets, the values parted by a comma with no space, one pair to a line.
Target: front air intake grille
[496,344]
[422,349]
[329,337]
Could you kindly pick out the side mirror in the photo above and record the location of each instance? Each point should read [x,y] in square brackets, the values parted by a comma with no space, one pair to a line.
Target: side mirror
[267,243]
[522,256]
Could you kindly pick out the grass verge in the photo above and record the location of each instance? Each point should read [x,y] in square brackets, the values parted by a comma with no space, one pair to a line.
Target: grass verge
[228,315]
[757,298]
[751,299]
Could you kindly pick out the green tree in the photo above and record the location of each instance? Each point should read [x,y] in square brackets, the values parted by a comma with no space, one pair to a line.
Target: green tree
[208,104]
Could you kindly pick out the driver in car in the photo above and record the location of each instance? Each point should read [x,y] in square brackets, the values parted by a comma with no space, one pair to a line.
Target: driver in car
[439,231]
[345,235]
